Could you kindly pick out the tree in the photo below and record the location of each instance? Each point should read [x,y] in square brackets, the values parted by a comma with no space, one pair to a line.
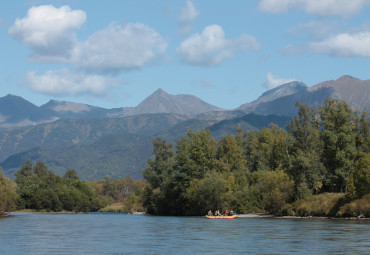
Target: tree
[275,190]
[158,194]
[305,166]
[206,194]
[339,148]
[359,181]
[267,149]
[196,154]
[8,195]
[40,189]
[230,155]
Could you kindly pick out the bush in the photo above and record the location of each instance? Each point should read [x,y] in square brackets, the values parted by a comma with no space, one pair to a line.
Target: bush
[326,205]
[356,208]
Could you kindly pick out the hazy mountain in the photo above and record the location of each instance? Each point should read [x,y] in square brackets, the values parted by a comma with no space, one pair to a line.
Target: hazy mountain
[99,142]
[68,132]
[162,102]
[105,147]
[70,110]
[354,91]
[114,155]
[282,100]
[16,111]
[247,122]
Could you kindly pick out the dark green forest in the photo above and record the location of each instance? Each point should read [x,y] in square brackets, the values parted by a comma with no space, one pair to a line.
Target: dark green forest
[321,152]
[319,165]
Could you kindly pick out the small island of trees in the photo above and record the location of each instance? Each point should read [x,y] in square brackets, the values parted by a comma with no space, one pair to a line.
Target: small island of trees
[319,166]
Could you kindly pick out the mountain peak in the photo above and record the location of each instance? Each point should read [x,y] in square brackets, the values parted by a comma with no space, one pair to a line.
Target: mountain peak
[162,102]
[346,78]
[160,92]
[282,90]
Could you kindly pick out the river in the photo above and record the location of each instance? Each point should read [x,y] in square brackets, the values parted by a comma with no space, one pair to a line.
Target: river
[108,233]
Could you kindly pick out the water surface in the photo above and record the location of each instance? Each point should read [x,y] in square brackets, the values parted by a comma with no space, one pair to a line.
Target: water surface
[105,233]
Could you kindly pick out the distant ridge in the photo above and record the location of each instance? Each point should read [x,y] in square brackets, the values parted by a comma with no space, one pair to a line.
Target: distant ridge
[281,100]
[99,142]
[162,102]
[16,111]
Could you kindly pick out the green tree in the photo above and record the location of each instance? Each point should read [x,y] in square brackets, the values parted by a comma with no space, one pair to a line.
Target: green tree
[196,154]
[275,190]
[359,181]
[305,166]
[159,197]
[230,155]
[206,194]
[267,149]
[339,148]
[8,194]
[40,189]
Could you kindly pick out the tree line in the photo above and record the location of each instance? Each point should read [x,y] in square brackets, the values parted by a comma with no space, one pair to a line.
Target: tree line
[38,188]
[322,150]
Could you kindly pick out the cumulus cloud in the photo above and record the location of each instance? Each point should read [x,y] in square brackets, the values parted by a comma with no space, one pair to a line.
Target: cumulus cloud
[272,81]
[48,31]
[345,45]
[65,83]
[211,47]
[117,48]
[315,7]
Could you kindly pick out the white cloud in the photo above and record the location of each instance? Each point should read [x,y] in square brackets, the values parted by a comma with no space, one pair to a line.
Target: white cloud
[273,81]
[211,47]
[65,83]
[315,7]
[345,45]
[189,13]
[117,48]
[49,31]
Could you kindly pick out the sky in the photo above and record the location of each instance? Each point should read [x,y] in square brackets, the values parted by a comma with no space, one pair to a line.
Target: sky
[115,53]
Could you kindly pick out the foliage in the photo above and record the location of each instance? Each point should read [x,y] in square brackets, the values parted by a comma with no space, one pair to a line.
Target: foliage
[122,195]
[305,166]
[359,181]
[338,143]
[8,195]
[40,189]
[275,190]
[323,150]
[326,204]
[356,208]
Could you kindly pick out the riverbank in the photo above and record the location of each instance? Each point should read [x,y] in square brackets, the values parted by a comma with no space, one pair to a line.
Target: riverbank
[256,215]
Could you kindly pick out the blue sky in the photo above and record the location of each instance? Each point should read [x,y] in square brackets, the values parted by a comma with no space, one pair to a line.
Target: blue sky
[115,53]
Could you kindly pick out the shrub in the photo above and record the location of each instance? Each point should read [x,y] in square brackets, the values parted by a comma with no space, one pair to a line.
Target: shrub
[356,208]
[326,204]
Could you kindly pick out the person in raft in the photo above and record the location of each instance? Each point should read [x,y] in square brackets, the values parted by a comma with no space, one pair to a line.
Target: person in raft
[218,213]
[226,213]
[210,213]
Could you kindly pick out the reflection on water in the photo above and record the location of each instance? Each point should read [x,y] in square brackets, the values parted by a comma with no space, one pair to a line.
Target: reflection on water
[135,234]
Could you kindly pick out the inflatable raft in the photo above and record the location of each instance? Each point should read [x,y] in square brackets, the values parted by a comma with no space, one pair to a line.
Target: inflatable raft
[222,217]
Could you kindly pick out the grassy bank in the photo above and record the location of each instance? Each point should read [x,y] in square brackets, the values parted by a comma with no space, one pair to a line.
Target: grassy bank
[329,205]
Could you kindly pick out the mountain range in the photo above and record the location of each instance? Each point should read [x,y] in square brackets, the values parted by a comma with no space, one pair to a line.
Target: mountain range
[99,142]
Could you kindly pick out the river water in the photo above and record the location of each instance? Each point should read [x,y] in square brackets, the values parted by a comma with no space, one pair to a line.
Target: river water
[106,233]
